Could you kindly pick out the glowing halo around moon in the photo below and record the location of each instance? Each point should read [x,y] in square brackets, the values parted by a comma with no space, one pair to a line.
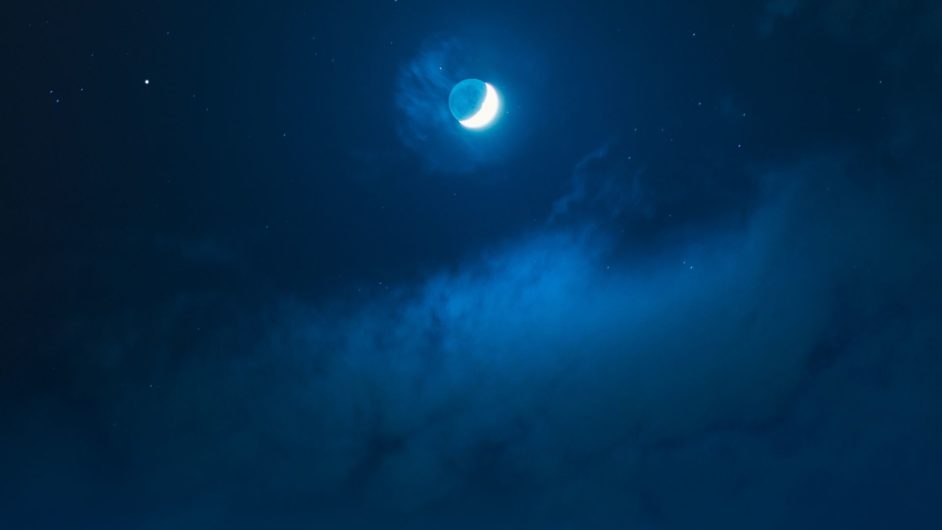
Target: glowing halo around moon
[474,103]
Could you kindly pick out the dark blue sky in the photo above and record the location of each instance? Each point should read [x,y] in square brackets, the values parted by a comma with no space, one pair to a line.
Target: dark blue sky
[256,276]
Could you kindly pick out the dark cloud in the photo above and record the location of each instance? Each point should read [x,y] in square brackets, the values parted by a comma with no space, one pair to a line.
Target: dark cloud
[638,200]
[554,375]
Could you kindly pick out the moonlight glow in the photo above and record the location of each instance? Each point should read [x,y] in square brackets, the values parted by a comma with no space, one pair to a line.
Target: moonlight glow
[474,103]
[488,111]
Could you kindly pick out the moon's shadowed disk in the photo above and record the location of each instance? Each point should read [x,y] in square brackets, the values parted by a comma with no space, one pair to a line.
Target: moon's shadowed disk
[473,103]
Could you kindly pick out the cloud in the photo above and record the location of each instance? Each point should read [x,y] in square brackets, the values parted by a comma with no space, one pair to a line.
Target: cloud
[737,374]
[642,205]
[568,378]
[422,91]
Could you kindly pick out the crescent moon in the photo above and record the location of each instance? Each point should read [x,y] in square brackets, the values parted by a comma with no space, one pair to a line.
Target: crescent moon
[488,111]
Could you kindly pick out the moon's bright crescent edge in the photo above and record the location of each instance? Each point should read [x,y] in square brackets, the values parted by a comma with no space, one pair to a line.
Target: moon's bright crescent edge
[487,112]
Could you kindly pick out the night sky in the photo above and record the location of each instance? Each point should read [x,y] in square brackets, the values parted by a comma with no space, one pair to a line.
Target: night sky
[256,276]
